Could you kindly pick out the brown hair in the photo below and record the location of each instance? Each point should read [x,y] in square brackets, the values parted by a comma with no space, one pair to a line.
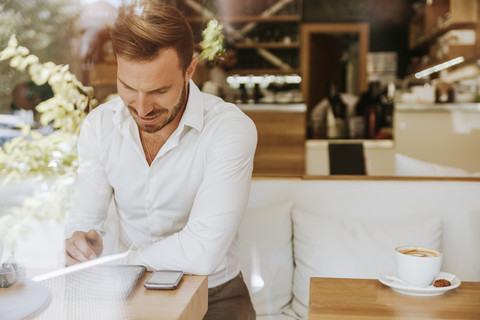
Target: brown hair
[146,27]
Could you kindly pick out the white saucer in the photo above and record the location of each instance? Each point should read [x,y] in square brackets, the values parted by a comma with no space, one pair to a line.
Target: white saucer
[20,301]
[389,279]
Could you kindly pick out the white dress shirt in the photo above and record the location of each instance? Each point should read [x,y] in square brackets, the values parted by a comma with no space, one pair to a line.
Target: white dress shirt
[183,211]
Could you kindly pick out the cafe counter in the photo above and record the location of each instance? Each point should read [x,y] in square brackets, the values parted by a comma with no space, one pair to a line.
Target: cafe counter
[281,138]
[444,134]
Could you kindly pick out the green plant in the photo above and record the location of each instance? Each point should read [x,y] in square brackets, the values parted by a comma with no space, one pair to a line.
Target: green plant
[53,154]
[39,156]
[213,41]
[44,27]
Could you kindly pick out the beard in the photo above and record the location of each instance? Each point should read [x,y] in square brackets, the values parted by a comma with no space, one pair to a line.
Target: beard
[151,128]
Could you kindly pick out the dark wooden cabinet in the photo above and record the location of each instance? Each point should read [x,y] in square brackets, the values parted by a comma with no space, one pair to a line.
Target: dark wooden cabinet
[432,40]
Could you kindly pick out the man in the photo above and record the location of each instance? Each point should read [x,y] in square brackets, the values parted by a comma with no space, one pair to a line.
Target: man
[176,161]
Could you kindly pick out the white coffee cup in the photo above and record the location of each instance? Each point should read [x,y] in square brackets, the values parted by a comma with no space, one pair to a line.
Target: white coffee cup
[418,266]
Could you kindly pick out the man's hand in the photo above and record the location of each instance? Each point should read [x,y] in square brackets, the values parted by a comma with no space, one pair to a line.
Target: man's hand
[82,246]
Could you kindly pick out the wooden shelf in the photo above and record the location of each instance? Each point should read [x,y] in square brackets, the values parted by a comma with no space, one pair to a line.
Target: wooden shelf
[272,71]
[425,32]
[247,19]
[267,45]
[468,60]
[265,35]
[261,45]
[445,28]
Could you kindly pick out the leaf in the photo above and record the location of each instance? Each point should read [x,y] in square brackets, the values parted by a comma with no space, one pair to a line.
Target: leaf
[213,41]
[53,154]
[23,51]
[12,42]
[25,130]
[7,53]
[31,59]
[15,62]
[44,105]
[36,135]
[39,74]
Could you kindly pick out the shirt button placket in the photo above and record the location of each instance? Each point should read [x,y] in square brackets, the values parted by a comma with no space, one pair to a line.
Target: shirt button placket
[149,198]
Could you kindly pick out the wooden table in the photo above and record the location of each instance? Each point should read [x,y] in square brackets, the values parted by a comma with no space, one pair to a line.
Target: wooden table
[188,302]
[369,299]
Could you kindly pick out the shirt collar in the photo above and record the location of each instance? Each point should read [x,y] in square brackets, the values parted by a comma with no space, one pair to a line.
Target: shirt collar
[192,116]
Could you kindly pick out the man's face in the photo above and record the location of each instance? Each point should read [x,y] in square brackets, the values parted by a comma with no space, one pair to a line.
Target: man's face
[155,91]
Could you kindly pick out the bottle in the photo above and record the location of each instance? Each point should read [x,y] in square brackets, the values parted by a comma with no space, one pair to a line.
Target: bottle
[357,121]
[268,36]
[257,93]
[372,112]
[243,93]
[336,114]
[388,102]
[277,36]
[255,36]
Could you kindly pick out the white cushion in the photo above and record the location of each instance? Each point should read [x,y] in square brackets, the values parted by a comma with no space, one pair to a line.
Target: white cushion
[266,257]
[407,166]
[352,248]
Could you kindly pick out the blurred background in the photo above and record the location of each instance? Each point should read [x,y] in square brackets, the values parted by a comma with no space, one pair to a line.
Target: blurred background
[400,78]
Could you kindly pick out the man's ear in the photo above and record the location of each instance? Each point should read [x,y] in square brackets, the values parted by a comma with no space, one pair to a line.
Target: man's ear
[191,68]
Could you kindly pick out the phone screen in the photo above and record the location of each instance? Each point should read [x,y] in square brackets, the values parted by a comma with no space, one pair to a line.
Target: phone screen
[164,279]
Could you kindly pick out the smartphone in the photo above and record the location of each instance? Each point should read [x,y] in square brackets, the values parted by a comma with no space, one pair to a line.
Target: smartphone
[164,279]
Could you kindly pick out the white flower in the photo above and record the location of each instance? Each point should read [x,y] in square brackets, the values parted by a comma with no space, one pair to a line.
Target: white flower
[212,43]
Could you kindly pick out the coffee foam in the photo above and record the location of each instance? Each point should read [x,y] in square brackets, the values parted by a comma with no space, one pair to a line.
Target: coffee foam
[419,252]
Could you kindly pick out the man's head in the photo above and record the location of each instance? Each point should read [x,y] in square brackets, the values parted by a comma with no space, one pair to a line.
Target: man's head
[146,27]
[154,47]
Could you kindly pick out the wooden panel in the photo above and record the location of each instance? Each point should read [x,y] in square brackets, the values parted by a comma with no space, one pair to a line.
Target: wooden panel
[103,74]
[432,12]
[275,128]
[464,10]
[388,178]
[281,142]
[282,160]
[188,302]
[344,299]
